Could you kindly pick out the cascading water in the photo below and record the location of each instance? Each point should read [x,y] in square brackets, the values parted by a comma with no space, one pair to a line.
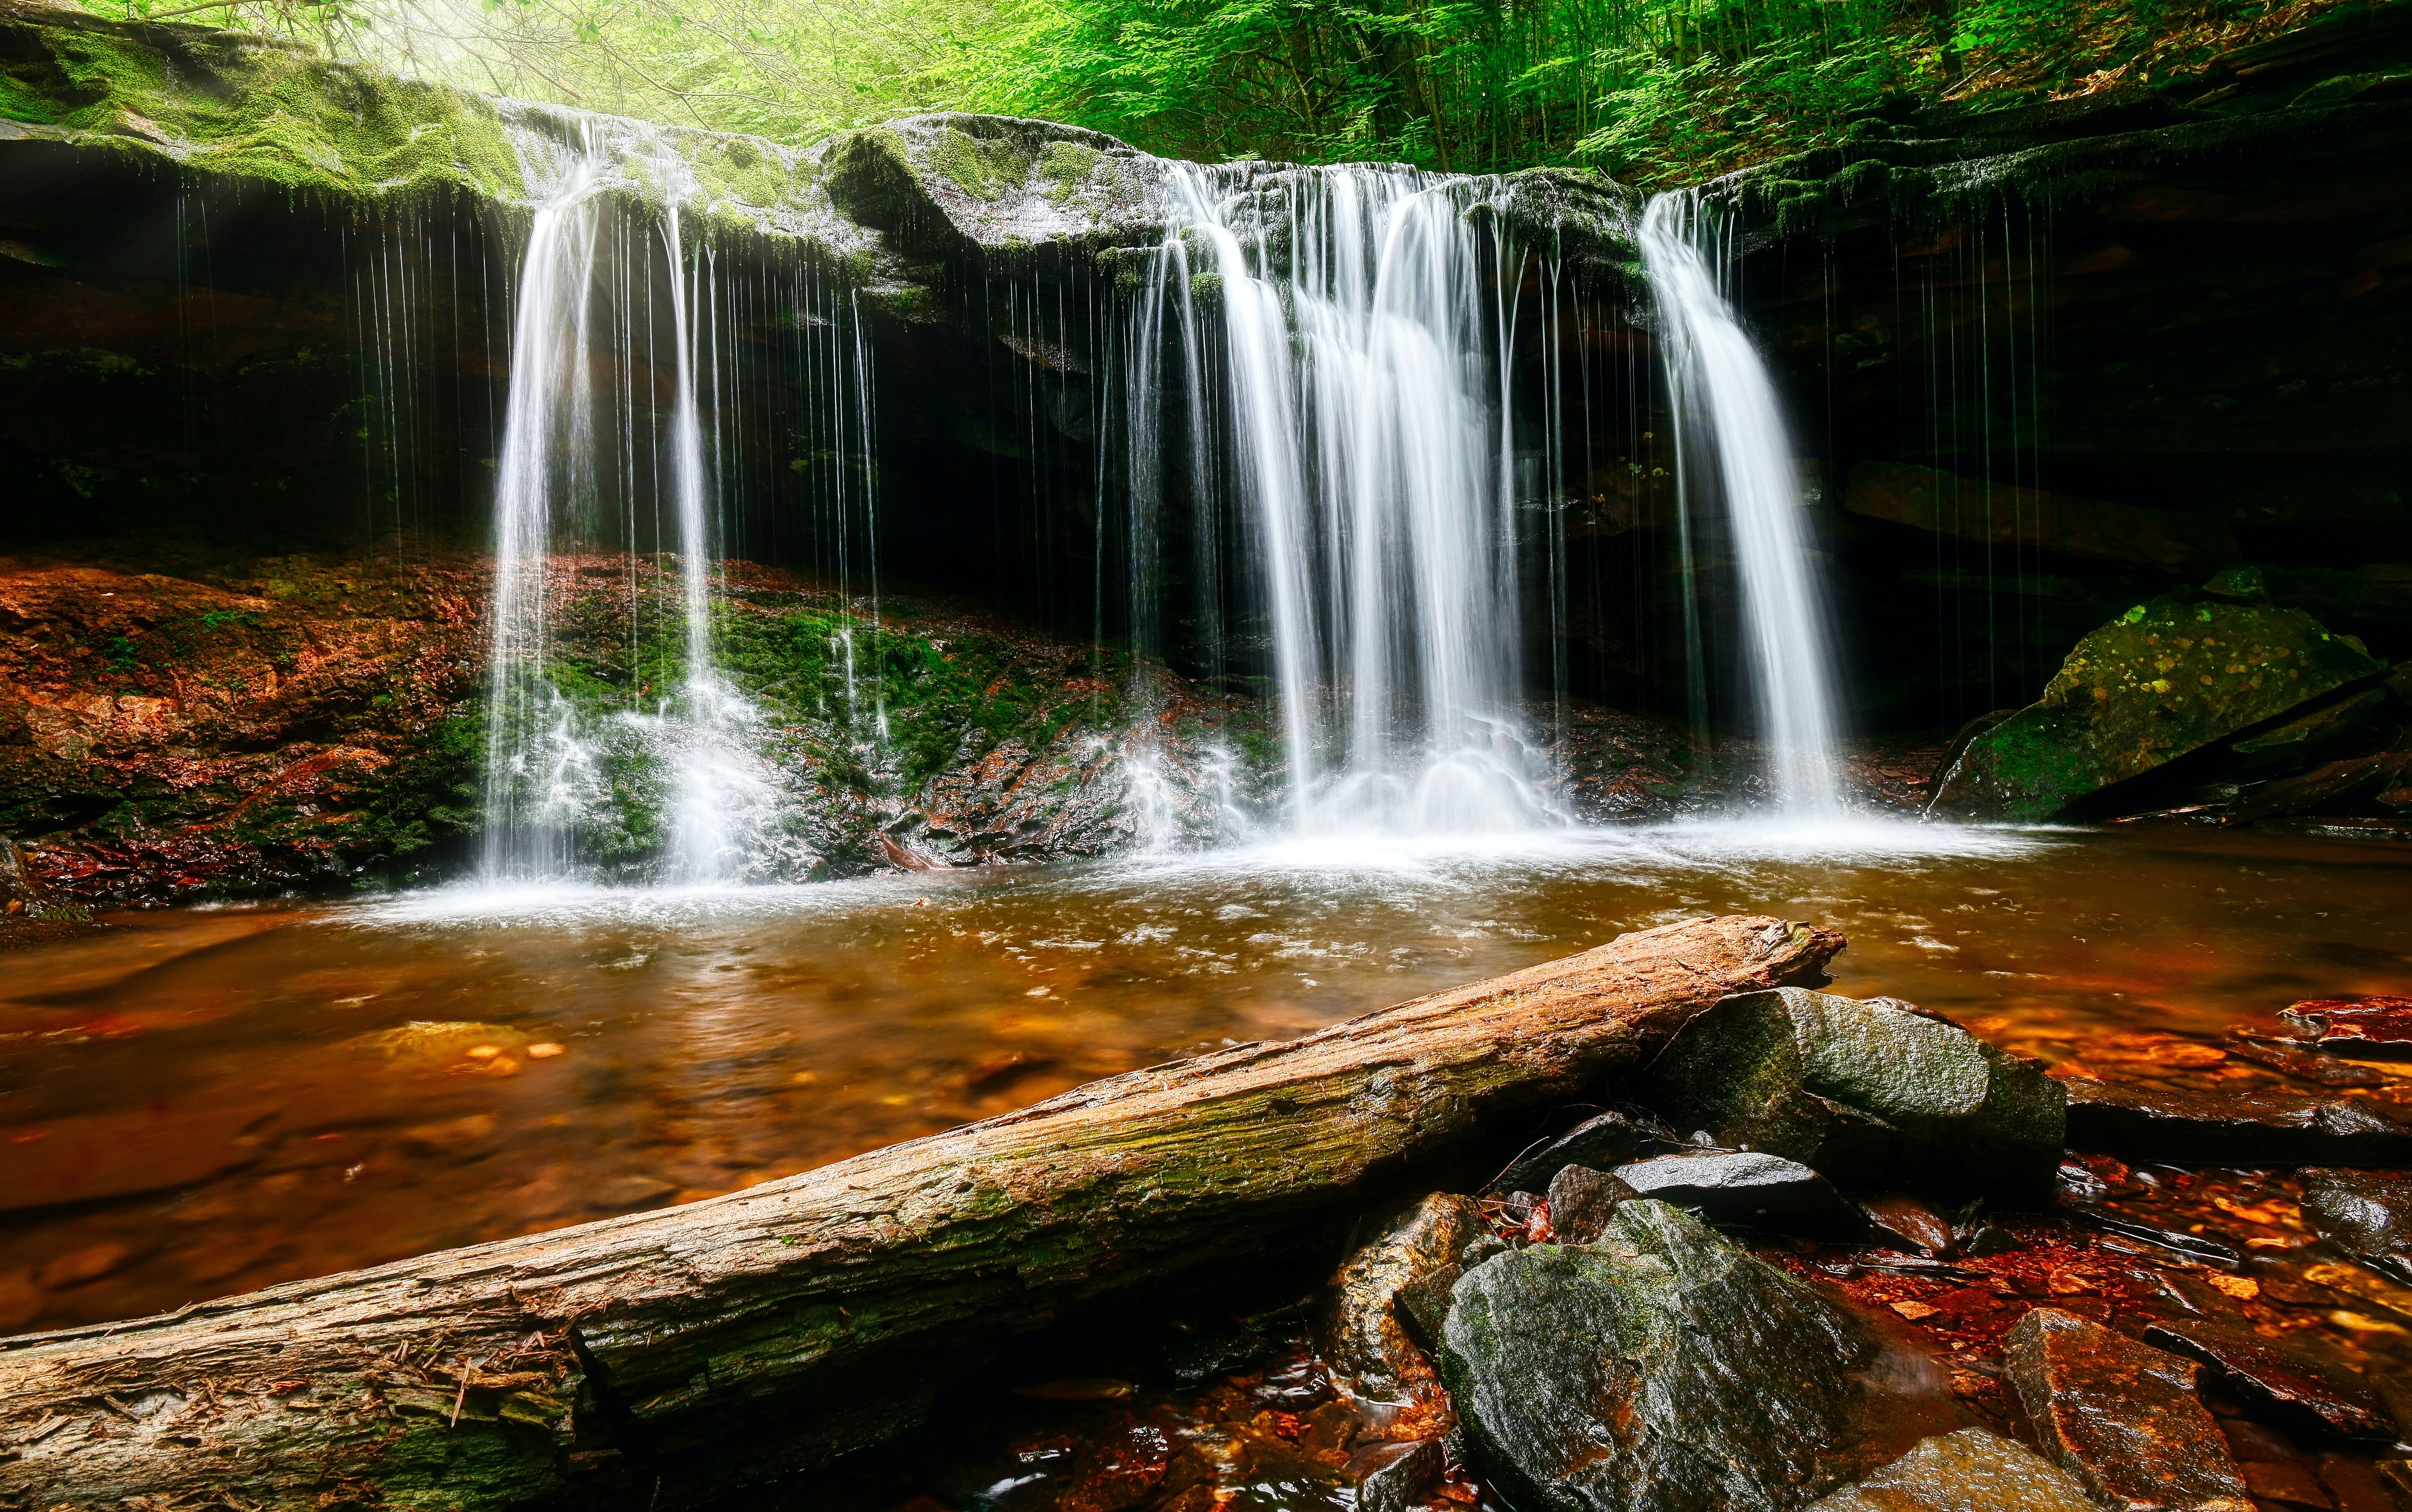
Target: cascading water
[560,770]
[1728,417]
[1363,383]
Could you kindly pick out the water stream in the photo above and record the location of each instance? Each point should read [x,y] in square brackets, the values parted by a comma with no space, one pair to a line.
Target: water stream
[1730,426]
[1371,458]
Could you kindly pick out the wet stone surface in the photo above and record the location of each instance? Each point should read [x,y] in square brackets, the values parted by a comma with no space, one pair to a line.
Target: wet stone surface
[2121,1416]
[2231,1127]
[1663,1368]
[1969,1471]
[1747,1190]
[1870,1092]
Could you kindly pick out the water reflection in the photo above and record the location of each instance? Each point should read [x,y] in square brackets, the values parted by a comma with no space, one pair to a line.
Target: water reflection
[209,1100]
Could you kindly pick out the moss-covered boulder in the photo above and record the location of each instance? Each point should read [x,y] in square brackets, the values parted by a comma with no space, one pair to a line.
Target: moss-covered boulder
[2166,678]
[1872,1092]
[1661,1369]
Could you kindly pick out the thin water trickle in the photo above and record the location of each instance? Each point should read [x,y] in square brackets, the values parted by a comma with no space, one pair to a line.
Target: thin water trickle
[1730,423]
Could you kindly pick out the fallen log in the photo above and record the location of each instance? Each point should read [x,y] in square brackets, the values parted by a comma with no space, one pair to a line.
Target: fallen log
[670,1357]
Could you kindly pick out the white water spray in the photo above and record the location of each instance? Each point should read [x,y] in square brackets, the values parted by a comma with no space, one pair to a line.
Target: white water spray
[1726,413]
[1364,383]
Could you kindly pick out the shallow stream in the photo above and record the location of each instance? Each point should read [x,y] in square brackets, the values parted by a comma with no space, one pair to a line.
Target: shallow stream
[204,1101]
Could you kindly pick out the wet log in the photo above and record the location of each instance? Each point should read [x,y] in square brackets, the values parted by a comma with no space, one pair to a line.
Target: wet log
[666,1358]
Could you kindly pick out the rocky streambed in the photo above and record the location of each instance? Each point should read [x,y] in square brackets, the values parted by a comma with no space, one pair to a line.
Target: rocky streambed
[1825,1252]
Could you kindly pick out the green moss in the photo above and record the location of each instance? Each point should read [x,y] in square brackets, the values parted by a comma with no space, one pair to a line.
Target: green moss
[983,168]
[1067,168]
[253,107]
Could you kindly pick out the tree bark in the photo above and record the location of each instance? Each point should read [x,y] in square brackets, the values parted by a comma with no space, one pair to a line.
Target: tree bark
[672,1356]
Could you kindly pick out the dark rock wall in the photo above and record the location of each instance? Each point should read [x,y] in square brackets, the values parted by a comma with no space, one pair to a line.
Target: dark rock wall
[2026,406]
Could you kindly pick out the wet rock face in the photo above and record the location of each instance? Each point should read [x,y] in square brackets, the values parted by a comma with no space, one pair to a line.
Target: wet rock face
[1581,1202]
[1661,1369]
[2376,1028]
[1970,1471]
[1363,1340]
[2121,1416]
[2265,1128]
[2164,679]
[2282,1383]
[1747,1190]
[2369,1212]
[1865,1092]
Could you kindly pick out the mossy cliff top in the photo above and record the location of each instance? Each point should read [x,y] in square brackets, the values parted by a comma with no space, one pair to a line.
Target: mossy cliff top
[254,108]
[271,112]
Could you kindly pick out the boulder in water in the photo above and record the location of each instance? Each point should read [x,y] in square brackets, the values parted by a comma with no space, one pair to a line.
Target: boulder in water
[1660,1369]
[1970,1471]
[2121,1416]
[2368,1028]
[2166,678]
[1872,1092]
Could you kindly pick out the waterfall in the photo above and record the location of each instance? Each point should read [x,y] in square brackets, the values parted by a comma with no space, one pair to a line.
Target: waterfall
[540,777]
[1727,415]
[1361,390]
[558,770]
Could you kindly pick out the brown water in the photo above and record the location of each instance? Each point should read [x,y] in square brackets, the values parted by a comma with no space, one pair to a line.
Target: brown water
[206,1101]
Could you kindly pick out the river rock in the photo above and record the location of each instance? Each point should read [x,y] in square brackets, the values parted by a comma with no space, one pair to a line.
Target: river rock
[2369,1212]
[1911,1224]
[2371,1028]
[2166,678]
[2288,1385]
[1364,1344]
[1746,1189]
[1396,1477]
[2265,1128]
[1870,1093]
[2121,1416]
[1607,1140]
[1970,1471]
[1581,1201]
[1661,1369]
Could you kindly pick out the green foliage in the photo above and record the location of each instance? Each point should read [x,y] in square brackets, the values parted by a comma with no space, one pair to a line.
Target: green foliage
[1654,90]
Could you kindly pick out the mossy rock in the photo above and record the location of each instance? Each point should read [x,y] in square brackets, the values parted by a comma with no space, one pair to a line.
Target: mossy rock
[249,107]
[1661,1370]
[2166,678]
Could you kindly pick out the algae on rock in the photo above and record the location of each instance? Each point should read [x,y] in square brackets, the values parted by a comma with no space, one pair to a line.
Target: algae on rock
[2166,678]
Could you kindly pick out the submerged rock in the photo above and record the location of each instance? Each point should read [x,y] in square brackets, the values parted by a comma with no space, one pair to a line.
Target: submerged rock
[2376,1028]
[2121,1416]
[1746,1189]
[1871,1093]
[2287,1385]
[1363,1342]
[1662,1369]
[2168,677]
[2369,1212]
[1970,1471]
[2264,1128]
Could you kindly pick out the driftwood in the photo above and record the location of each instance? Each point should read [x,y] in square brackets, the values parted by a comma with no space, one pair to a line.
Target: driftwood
[672,1356]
